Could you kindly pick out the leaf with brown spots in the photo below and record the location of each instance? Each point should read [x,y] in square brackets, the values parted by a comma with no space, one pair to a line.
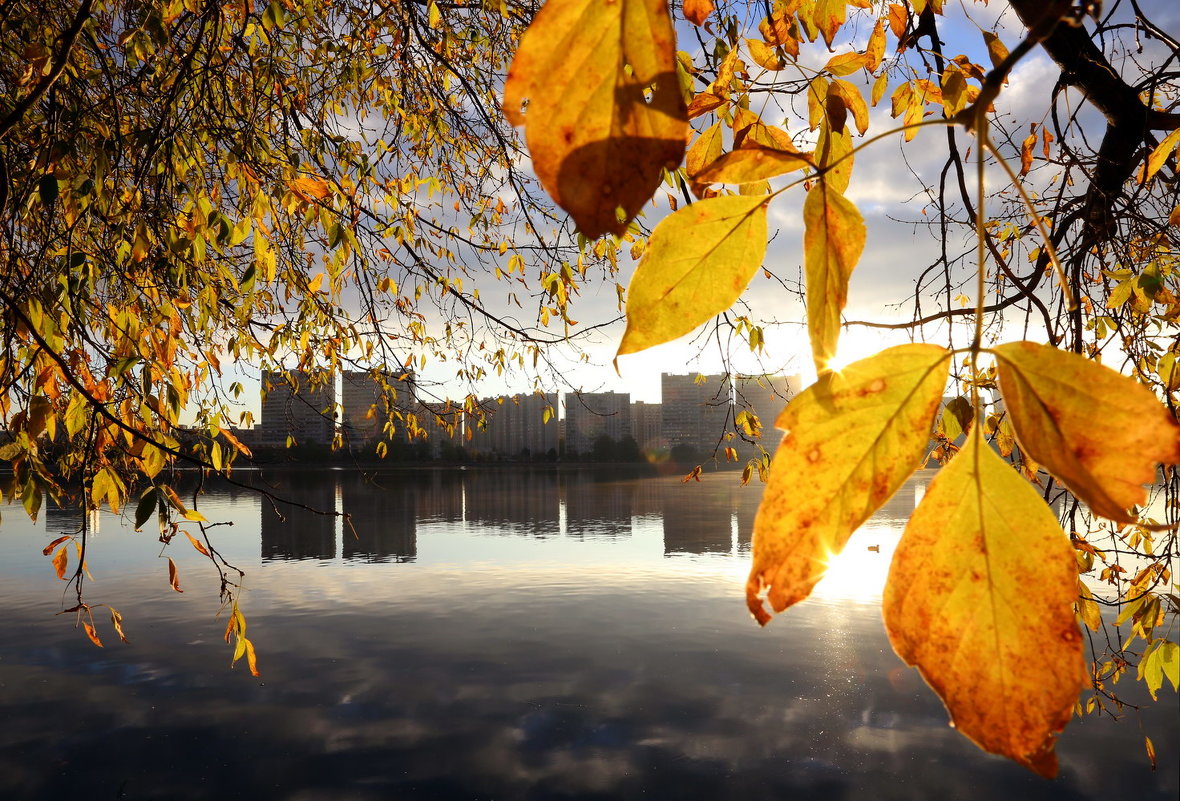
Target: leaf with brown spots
[852,439]
[833,238]
[698,262]
[980,599]
[605,116]
[1101,433]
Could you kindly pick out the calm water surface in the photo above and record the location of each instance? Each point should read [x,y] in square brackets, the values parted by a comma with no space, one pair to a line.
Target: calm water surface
[493,635]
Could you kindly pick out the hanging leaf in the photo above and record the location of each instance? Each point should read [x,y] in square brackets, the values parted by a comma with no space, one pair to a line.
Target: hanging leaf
[605,114]
[833,239]
[59,562]
[980,599]
[1099,432]
[697,11]
[173,576]
[92,633]
[146,507]
[49,548]
[197,544]
[698,262]
[852,439]
[751,164]
[117,622]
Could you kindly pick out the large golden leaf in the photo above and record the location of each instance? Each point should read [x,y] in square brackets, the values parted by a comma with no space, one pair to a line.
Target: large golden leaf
[980,598]
[852,439]
[1099,432]
[698,261]
[605,115]
[833,239]
[751,164]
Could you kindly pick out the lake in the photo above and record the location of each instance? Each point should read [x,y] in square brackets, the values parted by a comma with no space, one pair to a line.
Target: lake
[494,634]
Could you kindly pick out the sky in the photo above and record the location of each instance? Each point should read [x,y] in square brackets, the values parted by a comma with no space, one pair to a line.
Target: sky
[890,187]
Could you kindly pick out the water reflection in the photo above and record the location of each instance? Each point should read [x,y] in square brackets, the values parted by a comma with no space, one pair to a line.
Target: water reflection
[520,635]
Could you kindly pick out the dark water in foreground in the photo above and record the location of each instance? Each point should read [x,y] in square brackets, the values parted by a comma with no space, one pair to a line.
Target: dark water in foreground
[494,635]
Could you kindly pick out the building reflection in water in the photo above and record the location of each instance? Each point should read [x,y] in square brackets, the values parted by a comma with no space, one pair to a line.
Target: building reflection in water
[382,513]
[293,533]
[597,505]
[512,501]
[699,518]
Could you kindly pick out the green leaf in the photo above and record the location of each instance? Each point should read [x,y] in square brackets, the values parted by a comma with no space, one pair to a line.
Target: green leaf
[852,439]
[146,507]
[980,599]
[698,261]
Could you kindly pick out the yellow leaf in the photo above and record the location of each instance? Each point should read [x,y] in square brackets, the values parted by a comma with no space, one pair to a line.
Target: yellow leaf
[996,50]
[697,11]
[764,55]
[846,63]
[117,622]
[704,151]
[875,51]
[853,101]
[697,263]
[980,599]
[1087,609]
[251,659]
[1174,217]
[1099,432]
[879,87]
[825,17]
[833,239]
[173,576]
[1158,156]
[605,115]
[851,440]
[750,164]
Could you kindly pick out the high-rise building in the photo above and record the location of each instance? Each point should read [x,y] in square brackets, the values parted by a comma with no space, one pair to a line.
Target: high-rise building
[590,415]
[371,402]
[518,426]
[695,410]
[764,396]
[647,426]
[299,404]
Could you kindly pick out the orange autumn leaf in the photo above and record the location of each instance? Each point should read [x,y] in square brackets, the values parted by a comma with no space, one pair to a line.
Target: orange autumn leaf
[92,633]
[605,116]
[310,190]
[851,440]
[697,11]
[197,544]
[1101,433]
[49,548]
[59,562]
[980,599]
[173,576]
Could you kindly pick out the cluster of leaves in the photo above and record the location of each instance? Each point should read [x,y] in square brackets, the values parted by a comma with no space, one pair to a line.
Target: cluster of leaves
[984,585]
[188,185]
